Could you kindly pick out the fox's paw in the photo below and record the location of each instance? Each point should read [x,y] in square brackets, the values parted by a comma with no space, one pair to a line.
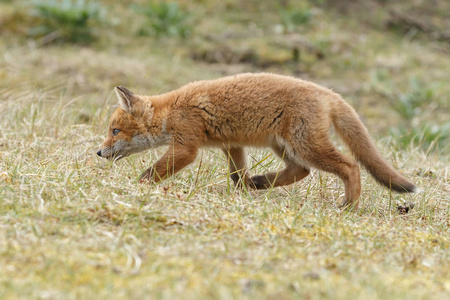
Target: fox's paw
[259,182]
[349,206]
[145,177]
[242,182]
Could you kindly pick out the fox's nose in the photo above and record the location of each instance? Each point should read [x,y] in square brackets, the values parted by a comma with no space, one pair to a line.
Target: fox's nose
[99,153]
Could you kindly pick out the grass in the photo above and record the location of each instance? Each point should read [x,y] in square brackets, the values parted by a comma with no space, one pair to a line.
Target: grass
[164,19]
[75,226]
[65,20]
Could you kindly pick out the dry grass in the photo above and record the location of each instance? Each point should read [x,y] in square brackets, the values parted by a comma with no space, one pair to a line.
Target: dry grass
[75,226]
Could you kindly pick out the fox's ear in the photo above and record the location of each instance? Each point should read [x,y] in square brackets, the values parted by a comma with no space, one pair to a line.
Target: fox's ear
[126,98]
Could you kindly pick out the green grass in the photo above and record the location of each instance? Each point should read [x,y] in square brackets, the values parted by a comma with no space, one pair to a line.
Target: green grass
[76,226]
[164,19]
[65,20]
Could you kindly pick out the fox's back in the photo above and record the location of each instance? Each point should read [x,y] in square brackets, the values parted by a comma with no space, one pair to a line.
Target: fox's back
[247,108]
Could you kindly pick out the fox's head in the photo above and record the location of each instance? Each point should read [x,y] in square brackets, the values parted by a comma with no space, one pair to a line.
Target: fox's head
[130,127]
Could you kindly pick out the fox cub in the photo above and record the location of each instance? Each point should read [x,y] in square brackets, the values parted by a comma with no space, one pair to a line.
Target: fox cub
[289,115]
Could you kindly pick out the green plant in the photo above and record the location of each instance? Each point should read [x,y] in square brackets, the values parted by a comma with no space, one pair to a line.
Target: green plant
[414,104]
[409,102]
[69,20]
[427,136]
[165,19]
[291,17]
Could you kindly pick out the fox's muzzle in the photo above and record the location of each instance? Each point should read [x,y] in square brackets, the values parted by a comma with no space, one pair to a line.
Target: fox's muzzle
[106,153]
[110,154]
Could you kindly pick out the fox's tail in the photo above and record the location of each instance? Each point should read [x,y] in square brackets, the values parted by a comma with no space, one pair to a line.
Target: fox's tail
[356,137]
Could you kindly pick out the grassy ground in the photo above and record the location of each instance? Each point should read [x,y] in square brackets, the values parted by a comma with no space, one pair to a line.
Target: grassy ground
[75,226]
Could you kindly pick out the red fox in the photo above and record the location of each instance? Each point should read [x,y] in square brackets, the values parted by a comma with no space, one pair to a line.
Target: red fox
[289,115]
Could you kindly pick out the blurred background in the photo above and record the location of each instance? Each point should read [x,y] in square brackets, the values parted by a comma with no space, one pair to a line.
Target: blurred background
[389,59]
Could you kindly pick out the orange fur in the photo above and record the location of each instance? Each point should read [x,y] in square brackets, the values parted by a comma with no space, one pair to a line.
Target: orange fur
[290,115]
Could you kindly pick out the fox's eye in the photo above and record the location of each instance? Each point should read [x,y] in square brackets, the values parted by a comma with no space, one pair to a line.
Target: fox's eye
[116,131]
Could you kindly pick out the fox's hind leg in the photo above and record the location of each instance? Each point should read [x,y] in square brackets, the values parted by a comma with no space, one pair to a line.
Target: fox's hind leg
[291,173]
[323,155]
[236,163]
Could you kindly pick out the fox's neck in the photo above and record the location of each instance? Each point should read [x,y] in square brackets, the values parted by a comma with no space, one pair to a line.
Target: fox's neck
[161,105]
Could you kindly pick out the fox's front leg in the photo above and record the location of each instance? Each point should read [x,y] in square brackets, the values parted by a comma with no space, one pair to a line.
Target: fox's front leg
[176,158]
[236,163]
